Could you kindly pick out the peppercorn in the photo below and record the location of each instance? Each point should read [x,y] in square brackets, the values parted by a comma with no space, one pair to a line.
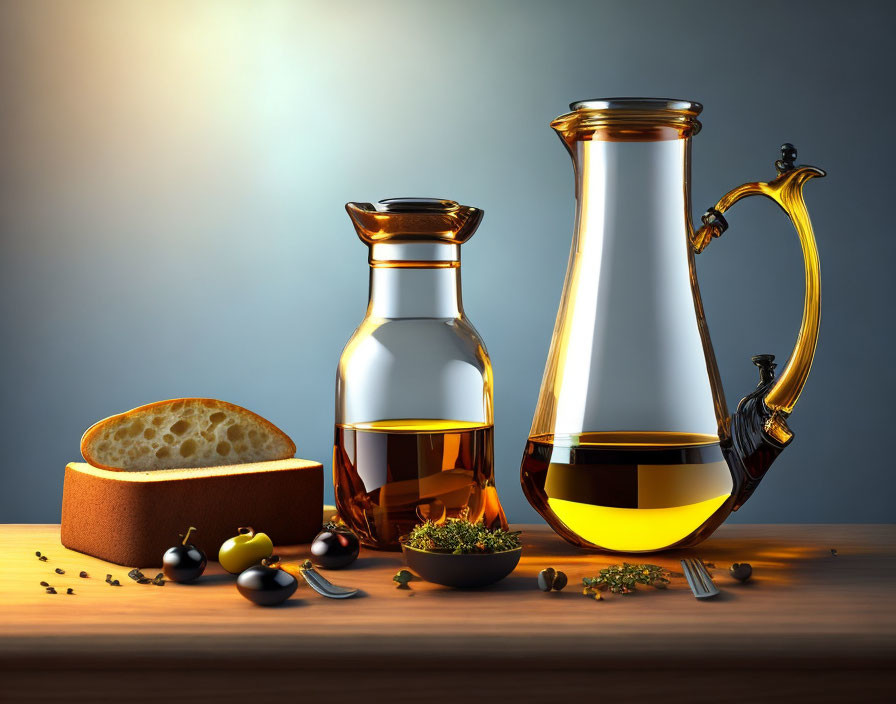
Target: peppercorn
[741,571]
[551,579]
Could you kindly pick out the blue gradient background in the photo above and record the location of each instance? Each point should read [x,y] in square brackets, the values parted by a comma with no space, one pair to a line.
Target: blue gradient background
[173,177]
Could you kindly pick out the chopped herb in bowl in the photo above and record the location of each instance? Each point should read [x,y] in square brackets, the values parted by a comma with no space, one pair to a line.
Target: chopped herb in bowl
[458,536]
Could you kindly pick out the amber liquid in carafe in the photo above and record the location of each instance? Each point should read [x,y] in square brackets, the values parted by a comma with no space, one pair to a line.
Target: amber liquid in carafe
[391,475]
[626,491]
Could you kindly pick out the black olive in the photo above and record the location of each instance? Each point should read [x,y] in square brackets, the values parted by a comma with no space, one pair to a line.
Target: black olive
[741,571]
[266,586]
[183,563]
[546,579]
[335,547]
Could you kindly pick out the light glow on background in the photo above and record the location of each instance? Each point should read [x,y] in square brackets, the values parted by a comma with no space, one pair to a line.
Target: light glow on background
[173,177]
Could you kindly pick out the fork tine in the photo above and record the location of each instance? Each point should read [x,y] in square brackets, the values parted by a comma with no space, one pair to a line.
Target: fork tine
[698,578]
[709,586]
[710,583]
[687,575]
[695,573]
[698,574]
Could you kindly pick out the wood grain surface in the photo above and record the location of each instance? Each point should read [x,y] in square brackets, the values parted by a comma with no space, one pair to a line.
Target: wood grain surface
[810,625]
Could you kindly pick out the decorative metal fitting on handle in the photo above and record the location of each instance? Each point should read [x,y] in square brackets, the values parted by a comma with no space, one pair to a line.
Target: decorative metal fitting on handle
[787,160]
[766,364]
[714,217]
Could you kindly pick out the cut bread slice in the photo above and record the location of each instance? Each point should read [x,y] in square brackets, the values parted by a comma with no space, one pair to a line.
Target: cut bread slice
[131,518]
[184,433]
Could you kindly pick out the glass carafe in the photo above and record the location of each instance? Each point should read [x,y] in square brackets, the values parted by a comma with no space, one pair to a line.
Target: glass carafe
[414,425]
[632,447]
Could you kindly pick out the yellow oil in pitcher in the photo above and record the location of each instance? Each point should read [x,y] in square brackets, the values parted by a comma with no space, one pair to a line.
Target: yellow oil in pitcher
[627,492]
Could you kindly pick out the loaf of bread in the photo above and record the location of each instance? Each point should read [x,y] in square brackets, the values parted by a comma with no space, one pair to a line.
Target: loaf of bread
[183,433]
[131,518]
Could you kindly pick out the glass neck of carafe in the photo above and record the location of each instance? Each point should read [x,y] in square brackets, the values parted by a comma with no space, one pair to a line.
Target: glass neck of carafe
[415,280]
[637,189]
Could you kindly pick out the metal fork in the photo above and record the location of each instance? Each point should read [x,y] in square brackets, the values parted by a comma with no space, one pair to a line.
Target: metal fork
[698,578]
[323,586]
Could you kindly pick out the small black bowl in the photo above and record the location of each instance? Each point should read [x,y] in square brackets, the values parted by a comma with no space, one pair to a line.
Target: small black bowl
[465,571]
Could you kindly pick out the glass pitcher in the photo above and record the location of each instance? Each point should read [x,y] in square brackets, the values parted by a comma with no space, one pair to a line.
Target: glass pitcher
[632,447]
[414,425]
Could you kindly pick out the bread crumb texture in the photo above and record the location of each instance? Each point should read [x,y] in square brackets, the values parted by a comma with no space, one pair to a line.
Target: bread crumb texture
[184,433]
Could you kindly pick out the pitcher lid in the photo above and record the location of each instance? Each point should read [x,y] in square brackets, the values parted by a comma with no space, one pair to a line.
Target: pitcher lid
[643,104]
[628,120]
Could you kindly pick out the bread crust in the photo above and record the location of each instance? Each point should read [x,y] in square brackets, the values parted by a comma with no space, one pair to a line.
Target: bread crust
[141,449]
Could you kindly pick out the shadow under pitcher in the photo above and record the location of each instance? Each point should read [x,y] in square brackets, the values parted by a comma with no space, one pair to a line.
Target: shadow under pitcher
[632,447]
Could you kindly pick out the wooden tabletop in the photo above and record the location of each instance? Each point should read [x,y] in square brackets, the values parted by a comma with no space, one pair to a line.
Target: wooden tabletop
[808,622]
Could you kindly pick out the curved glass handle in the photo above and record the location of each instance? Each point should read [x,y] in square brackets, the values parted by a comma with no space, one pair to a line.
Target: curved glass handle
[787,191]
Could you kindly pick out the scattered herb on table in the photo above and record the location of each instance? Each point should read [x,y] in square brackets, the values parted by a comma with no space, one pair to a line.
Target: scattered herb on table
[59,570]
[623,579]
[50,590]
[83,575]
[139,577]
[44,584]
[592,593]
[159,579]
[833,552]
[458,536]
[69,591]
[402,578]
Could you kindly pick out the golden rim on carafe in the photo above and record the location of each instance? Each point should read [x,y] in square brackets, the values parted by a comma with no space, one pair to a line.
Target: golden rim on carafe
[629,120]
[414,220]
